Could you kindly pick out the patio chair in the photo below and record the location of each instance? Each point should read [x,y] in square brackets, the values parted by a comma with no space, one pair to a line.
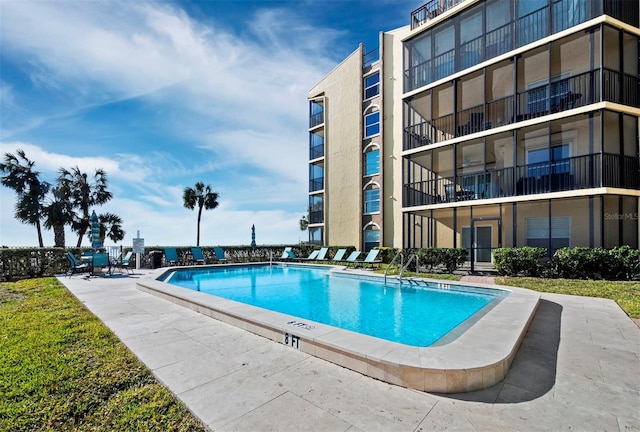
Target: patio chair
[288,254]
[75,265]
[100,261]
[322,254]
[198,257]
[312,256]
[126,262]
[339,256]
[353,257]
[171,256]
[371,258]
[219,253]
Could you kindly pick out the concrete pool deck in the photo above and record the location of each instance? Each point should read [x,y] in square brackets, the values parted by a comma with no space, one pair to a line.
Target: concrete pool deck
[578,368]
[476,355]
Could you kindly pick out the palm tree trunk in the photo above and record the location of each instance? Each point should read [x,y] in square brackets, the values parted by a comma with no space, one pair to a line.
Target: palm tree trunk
[58,236]
[198,236]
[80,235]
[39,228]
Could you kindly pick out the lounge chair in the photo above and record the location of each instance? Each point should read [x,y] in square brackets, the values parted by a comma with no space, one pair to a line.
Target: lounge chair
[339,256]
[353,257]
[171,256]
[125,263]
[371,258]
[75,265]
[219,253]
[322,254]
[312,256]
[100,261]
[285,253]
[198,257]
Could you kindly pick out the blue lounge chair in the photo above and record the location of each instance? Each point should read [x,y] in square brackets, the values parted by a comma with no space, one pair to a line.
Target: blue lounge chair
[285,253]
[322,254]
[126,262]
[75,265]
[339,256]
[219,253]
[289,255]
[198,257]
[312,256]
[171,256]
[371,258]
[100,261]
[353,257]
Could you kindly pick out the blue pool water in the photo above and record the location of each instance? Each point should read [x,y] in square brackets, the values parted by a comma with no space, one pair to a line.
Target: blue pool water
[412,314]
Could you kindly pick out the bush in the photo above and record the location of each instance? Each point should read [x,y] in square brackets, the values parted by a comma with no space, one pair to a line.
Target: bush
[515,261]
[452,258]
[620,263]
[430,258]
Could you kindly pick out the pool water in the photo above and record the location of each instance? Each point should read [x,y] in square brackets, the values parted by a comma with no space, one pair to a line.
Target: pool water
[416,314]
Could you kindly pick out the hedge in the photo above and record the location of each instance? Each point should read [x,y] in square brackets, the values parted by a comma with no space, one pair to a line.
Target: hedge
[620,263]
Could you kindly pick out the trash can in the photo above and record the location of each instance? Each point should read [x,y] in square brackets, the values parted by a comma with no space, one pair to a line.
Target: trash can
[155,259]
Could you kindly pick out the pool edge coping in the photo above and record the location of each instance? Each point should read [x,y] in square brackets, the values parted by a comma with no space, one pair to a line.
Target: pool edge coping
[477,359]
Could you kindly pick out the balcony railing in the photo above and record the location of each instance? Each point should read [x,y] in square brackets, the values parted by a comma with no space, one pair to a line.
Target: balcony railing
[316,151]
[316,216]
[316,184]
[580,172]
[371,57]
[557,96]
[430,10]
[316,119]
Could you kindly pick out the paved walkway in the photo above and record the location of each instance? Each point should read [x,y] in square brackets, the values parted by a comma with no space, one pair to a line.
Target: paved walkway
[577,369]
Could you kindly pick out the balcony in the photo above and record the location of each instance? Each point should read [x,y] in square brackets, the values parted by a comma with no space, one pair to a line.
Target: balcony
[316,119]
[580,172]
[557,96]
[430,10]
[316,184]
[316,216]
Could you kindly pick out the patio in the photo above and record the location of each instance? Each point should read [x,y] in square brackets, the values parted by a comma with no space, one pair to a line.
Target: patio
[578,368]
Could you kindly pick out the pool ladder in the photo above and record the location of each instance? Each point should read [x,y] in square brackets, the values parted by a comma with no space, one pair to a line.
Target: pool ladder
[403,265]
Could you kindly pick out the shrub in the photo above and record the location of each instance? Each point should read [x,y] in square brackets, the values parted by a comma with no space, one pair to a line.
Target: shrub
[452,258]
[430,258]
[620,263]
[515,261]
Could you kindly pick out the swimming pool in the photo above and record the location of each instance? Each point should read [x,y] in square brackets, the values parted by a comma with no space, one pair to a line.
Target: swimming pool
[475,359]
[417,314]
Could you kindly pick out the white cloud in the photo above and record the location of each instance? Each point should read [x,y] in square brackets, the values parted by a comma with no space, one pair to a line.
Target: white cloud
[241,100]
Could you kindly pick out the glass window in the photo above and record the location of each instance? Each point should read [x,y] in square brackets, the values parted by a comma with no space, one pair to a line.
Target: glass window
[538,232]
[498,18]
[372,85]
[548,161]
[372,200]
[372,162]
[371,238]
[372,124]
[471,43]
[316,235]
[316,209]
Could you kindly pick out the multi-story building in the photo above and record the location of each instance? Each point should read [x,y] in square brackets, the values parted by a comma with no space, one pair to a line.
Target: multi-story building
[518,125]
[351,116]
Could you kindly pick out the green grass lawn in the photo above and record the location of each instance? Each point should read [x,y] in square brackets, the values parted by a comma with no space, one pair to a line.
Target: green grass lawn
[626,294]
[62,369]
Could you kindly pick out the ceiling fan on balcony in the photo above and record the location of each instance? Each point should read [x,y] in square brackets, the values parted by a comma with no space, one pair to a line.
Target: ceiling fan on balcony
[468,163]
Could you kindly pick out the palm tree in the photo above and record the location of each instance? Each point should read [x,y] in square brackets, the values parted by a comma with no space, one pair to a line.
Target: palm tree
[110,226]
[202,197]
[304,223]
[20,176]
[83,194]
[58,212]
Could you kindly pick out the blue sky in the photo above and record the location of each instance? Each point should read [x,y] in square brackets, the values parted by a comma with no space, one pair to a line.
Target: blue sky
[164,94]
